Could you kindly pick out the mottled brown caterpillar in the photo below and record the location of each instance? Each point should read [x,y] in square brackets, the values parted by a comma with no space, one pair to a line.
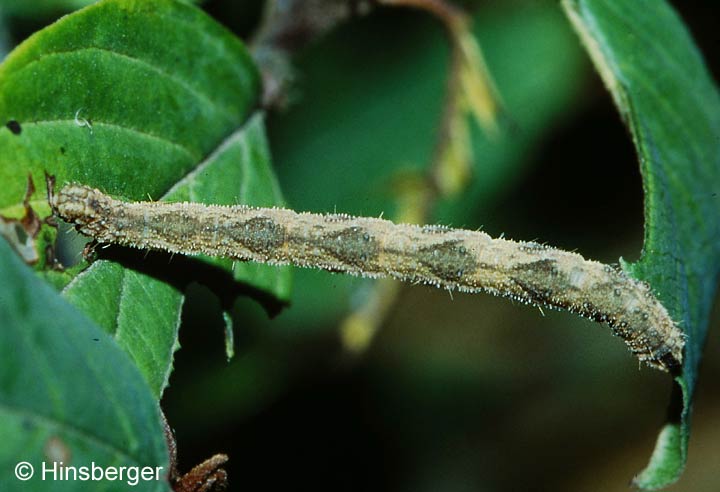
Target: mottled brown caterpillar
[469,261]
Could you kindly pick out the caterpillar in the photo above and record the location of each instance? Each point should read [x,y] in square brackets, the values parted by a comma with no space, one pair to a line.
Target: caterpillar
[454,259]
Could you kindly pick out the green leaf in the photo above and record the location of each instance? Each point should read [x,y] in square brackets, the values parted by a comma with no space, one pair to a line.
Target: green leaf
[135,308]
[160,83]
[666,96]
[138,98]
[67,392]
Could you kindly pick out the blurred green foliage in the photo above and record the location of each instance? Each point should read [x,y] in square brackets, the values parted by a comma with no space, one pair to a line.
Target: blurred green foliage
[368,106]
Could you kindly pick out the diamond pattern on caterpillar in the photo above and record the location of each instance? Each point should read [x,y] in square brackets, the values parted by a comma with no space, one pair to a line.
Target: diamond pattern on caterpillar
[453,259]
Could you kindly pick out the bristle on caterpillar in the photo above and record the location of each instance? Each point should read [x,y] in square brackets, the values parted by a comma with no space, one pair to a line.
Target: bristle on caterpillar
[469,261]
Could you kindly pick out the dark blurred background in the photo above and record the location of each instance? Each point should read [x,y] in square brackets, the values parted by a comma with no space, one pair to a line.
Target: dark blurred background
[468,393]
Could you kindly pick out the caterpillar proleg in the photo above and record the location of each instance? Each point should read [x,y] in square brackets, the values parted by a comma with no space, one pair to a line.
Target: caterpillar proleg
[469,261]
